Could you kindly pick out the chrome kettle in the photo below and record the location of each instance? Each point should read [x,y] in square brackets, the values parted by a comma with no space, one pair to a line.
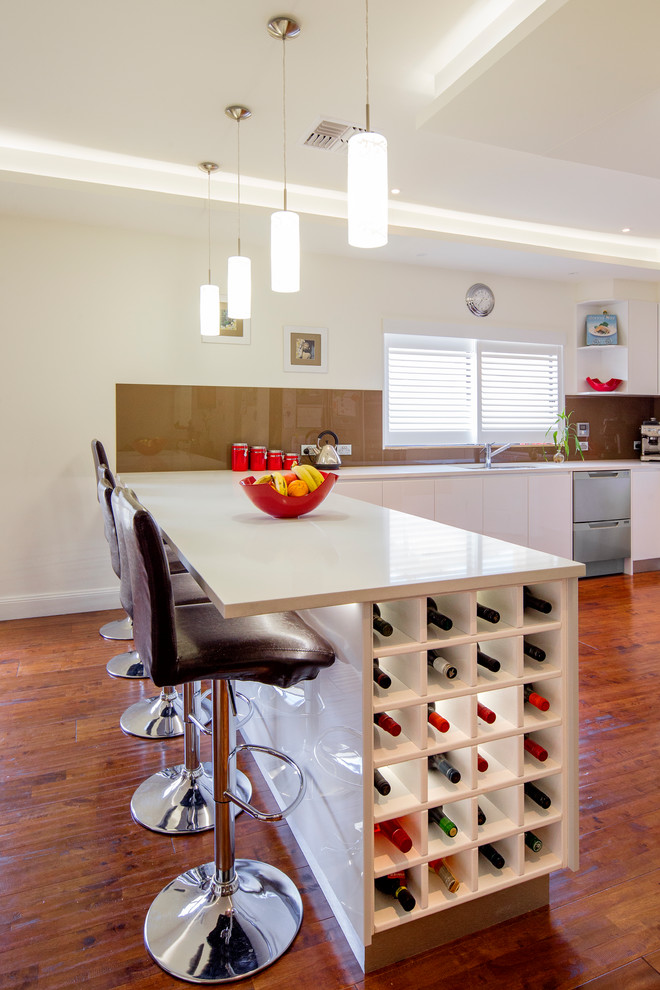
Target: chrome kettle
[327,454]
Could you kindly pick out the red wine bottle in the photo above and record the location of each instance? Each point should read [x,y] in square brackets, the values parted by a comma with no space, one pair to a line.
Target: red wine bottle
[386,722]
[492,855]
[381,625]
[381,783]
[438,816]
[537,795]
[531,601]
[438,662]
[396,833]
[489,614]
[536,699]
[436,720]
[482,763]
[485,714]
[481,815]
[381,677]
[440,867]
[435,618]
[394,885]
[535,749]
[440,763]
[533,842]
[490,663]
[535,652]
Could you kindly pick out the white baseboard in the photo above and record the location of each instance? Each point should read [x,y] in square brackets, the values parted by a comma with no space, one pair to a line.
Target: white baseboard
[65,603]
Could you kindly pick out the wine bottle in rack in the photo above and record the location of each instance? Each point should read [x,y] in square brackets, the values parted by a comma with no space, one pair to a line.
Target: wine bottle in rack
[394,885]
[485,714]
[535,749]
[535,699]
[537,795]
[381,677]
[490,663]
[531,601]
[533,842]
[396,833]
[381,625]
[492,855]
[386,722]
[535,652]
[438,816]
[381,783]
[481,815]
[442,870]
[435,659]
[435,618]
[436,720]
[440,763]
[489,614]
[482,763]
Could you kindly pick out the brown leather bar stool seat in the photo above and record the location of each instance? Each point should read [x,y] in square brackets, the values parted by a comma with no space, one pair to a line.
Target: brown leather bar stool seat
[227,919]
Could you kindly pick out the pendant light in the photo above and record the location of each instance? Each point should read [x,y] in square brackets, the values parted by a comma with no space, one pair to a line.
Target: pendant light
[367,178]
[239,269]
[284,225]
[209,295]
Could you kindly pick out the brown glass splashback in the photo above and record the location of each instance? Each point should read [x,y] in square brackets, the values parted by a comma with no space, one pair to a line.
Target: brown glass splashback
[192,427]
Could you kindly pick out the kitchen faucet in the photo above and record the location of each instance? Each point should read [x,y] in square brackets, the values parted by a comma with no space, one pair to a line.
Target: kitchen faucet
[490,453]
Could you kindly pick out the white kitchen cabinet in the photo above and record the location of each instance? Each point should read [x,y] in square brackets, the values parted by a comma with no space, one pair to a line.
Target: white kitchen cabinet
[413,495]
[459,502]
[505,507]
[645,513]
[551,513]
[366,491]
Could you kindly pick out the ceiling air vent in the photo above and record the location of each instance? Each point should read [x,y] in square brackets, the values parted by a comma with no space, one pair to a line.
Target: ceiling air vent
[331,135]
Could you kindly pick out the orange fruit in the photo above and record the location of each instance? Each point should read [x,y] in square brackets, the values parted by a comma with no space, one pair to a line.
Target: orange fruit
[297,487]
[288,476]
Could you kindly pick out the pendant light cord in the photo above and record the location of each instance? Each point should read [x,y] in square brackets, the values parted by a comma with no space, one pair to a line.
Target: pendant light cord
[238,183]
[284,112]
[366,58]
[209,213]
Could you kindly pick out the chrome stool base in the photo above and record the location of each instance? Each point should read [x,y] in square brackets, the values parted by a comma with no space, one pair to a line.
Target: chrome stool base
[176,801]
[196,932]
[160,717]
[127,665]
[118,629]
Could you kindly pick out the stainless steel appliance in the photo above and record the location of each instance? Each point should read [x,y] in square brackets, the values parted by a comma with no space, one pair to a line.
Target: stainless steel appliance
[650,430]
[601,520]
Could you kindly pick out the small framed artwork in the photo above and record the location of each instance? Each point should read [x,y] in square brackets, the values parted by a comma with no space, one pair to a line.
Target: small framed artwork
[231,331]
[306,349]
[601,329]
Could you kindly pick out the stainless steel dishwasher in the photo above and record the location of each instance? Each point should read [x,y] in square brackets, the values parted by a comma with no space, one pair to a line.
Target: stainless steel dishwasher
[601,520]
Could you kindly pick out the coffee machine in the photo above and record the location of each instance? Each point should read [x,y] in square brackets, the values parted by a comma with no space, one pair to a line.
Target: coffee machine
[650,430]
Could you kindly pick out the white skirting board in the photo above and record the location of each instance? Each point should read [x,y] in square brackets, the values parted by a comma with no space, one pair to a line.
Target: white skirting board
[62,603]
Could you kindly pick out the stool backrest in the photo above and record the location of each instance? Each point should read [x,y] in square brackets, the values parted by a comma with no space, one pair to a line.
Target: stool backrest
[100,460]
[104,488]
[151,587]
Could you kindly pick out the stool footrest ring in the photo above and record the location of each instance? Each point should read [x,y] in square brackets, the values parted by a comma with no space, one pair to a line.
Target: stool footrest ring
[250,809]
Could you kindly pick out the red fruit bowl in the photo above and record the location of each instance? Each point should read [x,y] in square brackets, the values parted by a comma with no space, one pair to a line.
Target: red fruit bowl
[286,506]
[608,386]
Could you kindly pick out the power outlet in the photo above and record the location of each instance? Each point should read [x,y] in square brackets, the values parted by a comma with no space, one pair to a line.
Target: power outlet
[344,449]
[584,445]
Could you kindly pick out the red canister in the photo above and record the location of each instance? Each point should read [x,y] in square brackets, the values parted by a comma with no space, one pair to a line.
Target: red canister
[257,458]
[274,460]
[289,461]
[239,457]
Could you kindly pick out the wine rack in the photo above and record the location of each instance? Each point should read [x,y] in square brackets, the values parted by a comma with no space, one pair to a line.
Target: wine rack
[497,791]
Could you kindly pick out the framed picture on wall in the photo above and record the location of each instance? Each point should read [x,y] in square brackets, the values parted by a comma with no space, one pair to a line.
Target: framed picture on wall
[231,331]
[306,349]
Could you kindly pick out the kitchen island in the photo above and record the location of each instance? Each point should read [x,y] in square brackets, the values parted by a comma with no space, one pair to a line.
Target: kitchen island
[332,566]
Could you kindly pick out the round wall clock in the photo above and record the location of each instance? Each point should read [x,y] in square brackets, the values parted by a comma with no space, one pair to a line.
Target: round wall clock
[480,299]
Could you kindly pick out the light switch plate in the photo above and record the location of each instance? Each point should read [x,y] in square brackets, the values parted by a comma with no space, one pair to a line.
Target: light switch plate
[583,429]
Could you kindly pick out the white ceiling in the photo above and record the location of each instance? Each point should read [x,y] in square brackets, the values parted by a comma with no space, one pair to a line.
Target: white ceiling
[523,134]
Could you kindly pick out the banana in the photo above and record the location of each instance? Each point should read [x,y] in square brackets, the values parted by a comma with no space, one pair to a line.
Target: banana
[265,479]
[279,482]
[316,474]
[303,472]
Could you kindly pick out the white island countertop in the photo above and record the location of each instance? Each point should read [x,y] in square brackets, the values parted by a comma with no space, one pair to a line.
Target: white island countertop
[344,551]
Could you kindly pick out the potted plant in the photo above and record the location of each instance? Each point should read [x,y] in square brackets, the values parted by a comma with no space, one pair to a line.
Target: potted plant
[562,432]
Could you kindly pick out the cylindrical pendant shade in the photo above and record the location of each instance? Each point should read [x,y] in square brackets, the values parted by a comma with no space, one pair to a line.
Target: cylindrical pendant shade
[285,251]
[209,310]
[367,190]
[239,288]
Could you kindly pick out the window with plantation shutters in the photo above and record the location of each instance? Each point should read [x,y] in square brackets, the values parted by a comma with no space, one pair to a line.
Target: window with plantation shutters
[453,390]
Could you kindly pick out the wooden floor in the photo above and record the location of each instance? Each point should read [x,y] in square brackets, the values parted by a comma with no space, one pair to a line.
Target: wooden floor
[77,875]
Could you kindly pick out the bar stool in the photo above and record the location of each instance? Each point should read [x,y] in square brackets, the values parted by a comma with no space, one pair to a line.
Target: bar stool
[227,919]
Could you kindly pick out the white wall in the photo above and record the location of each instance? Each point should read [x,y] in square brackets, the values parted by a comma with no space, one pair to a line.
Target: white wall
[84,307]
